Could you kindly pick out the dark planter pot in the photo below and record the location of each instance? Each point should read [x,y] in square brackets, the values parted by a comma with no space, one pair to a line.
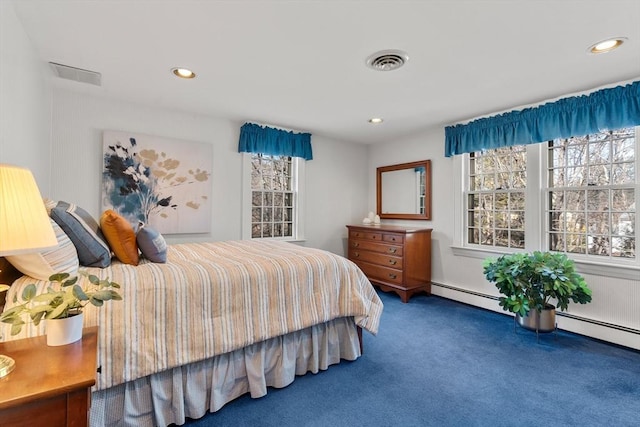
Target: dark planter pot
[539,321]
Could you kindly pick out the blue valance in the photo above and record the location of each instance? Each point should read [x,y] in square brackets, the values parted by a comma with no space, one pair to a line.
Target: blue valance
[262,139]
[605,109]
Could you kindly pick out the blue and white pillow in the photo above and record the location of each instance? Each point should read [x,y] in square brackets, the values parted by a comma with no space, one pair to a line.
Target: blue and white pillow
[84,232]
[151,244]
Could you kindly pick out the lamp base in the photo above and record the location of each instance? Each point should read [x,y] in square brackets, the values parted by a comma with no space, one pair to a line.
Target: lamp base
[6,365]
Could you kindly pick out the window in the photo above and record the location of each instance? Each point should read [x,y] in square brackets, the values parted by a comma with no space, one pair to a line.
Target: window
[273,197]
[496,197]
[580,196]
[421,186]
[591,194]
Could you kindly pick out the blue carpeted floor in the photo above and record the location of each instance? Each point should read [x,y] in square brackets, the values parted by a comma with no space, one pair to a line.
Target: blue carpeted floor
[436,362]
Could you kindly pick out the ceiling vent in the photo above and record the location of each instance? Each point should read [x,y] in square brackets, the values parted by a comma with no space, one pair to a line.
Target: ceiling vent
[387,60]
[76,74]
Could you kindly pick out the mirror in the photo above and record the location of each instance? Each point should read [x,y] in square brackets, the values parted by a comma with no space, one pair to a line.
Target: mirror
[403,191]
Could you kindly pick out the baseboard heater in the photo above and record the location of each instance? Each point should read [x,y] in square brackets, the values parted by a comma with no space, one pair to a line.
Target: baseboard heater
[558,313]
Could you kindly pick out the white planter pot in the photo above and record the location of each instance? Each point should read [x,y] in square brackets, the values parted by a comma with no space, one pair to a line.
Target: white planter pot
[64,331]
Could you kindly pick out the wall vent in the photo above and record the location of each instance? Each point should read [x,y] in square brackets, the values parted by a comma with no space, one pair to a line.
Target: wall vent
[76,74]
[387,60]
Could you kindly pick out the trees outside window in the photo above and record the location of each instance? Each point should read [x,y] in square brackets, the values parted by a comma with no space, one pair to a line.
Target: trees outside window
[587,195]
[591,194]
[273,196]
[496,197]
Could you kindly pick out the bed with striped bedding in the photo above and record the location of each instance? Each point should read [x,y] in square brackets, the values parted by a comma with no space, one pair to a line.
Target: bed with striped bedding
[215,299]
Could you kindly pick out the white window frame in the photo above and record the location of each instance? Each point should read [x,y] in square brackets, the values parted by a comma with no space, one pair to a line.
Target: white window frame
[535,225]
[421,196]
[592,258]
[298,184]
[480,192]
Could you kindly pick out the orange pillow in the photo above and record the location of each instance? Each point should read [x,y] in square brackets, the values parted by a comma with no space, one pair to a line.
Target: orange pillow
[120,236]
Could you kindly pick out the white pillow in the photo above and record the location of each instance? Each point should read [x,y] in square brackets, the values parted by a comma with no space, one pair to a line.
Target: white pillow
[41,265]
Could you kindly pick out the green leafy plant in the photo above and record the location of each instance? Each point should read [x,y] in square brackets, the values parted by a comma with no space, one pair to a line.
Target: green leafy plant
[66,297]
[531,281]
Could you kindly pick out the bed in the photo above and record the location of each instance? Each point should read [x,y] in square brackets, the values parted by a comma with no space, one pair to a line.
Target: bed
[216,321]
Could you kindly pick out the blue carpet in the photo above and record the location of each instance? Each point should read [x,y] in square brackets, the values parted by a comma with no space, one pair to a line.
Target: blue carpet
[436,362]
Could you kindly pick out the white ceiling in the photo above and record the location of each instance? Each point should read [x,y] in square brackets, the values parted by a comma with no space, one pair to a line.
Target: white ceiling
[301,64]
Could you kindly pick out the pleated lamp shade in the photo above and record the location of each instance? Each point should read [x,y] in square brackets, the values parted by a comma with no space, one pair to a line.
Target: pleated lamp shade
[24,223]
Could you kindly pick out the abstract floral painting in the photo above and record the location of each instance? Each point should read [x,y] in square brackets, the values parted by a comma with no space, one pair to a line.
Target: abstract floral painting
[163,182]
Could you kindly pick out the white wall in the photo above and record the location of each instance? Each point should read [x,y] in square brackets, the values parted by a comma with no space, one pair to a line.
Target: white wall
[335,179]
[336,183]
[25,101]
[615,300]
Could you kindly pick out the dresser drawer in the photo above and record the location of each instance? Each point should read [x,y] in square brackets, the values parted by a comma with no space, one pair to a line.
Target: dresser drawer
[393,238]
[366,235]
[375,247]
[375,258]
[383,274]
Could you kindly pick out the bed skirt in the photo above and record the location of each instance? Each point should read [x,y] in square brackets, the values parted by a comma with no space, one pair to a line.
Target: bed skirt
[190,391]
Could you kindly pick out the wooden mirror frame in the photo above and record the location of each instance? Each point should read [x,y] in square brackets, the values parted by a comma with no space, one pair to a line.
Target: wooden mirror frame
[426,164]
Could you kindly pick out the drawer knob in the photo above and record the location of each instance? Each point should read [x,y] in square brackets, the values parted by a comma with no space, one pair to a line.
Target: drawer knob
[393,276]
[357,254]
[393,262]
[392,250]
[356,244]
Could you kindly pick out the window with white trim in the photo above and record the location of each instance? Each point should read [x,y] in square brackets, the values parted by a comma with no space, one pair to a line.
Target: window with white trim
[591,200]
[272,202]
[580,200]
[496,197]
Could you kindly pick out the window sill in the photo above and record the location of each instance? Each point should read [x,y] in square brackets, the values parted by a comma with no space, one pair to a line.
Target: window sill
[618,271]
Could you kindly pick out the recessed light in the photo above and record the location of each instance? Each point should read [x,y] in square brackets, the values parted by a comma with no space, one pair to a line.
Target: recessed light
[183,73]
[376,120]
[607,45]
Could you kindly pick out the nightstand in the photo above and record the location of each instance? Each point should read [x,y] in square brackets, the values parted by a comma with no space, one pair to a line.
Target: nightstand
[50,385]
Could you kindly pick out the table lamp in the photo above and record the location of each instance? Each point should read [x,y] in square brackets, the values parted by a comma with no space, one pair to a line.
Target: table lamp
[24,224]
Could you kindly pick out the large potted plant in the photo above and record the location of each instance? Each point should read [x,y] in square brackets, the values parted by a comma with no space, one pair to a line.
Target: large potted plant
[531,282]
[60,305]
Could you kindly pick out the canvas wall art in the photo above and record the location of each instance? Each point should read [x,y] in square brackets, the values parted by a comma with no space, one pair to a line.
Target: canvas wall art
[163,182]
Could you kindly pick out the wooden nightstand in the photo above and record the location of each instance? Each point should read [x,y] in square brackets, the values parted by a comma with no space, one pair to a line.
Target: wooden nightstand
[50,385]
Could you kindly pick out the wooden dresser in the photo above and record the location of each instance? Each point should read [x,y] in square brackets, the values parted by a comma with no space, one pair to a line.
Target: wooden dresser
[394,258]
[50,386]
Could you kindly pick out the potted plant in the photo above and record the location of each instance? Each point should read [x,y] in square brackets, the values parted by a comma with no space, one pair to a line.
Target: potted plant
[61,305]
[530,282]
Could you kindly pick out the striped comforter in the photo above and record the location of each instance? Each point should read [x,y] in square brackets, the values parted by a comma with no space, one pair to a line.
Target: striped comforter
[213,298]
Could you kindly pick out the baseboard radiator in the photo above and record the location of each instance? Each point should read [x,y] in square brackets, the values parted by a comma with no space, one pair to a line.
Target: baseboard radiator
[617,334]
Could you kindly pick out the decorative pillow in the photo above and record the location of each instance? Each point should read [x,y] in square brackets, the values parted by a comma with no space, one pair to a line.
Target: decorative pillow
[151,244]
[120,236]
[41,265]
[84,232]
